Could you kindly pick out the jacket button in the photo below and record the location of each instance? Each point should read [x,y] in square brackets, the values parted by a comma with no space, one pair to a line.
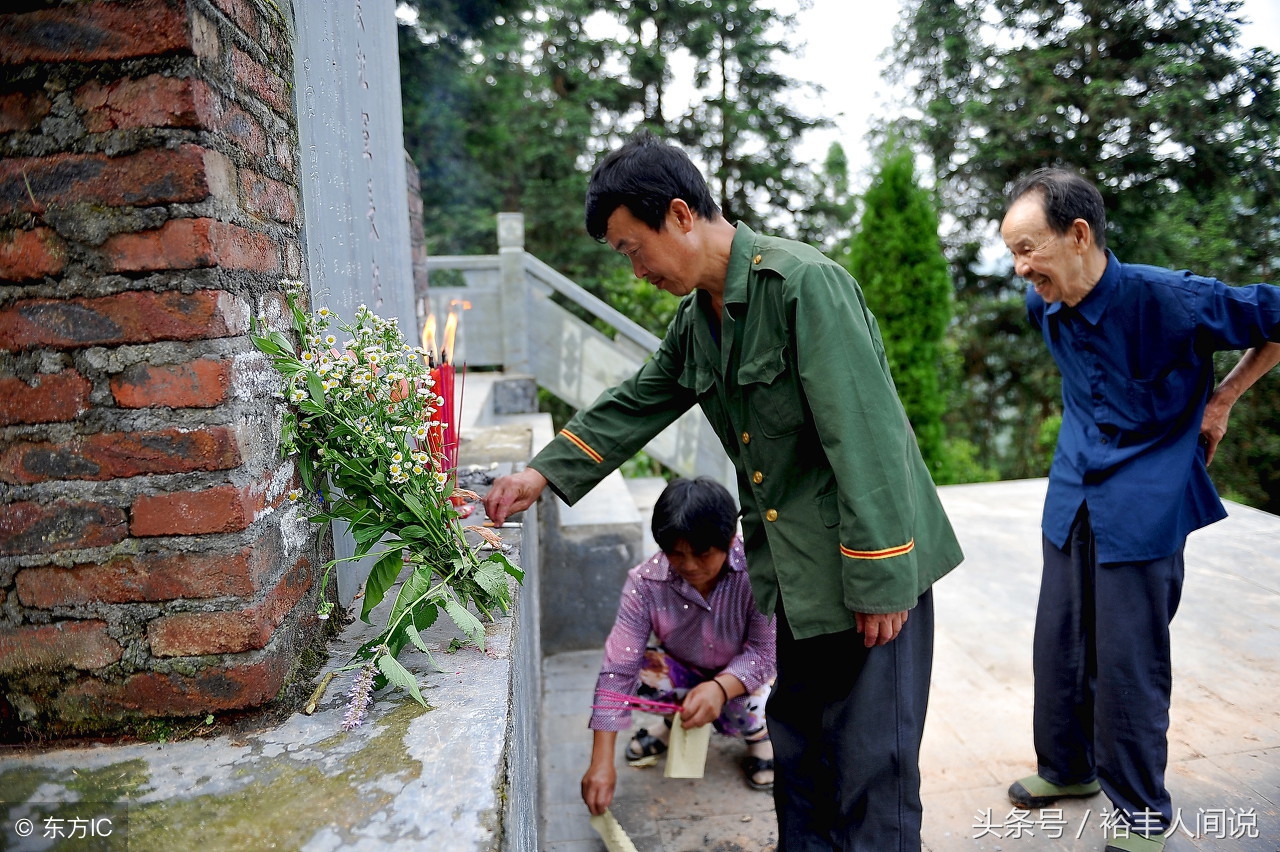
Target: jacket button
[757,477]
[746,437]
[771,515]
[757,259]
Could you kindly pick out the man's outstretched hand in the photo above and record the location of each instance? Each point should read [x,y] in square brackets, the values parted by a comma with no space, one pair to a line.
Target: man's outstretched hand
[513,493]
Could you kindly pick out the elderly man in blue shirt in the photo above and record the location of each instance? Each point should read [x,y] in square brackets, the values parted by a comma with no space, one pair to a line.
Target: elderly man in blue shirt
[1141,420]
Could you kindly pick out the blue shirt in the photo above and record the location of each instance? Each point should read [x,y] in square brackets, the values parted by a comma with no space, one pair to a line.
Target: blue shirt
[1136,356]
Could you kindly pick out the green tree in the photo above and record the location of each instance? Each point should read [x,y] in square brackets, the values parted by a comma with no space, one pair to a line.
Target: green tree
[896,257]
[1162,108]
[828,222]
[742,123]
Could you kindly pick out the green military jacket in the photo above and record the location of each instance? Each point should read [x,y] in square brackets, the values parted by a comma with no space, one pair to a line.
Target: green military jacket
[839,513]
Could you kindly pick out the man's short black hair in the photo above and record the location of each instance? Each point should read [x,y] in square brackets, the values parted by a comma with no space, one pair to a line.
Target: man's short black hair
[699,511]
[645,175]
[1067,197]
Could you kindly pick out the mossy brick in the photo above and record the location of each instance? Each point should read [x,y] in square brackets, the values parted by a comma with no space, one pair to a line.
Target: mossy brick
[235,124]
[266,85]
[90,32]
[132,317]
[28,255]
[154,577]
[193,634]
[29,527]
[222,509]
[267,198]
[151,101]
[201,383]
[44,398]
[22,111]
[186,173]
[212,689]
[79,644]
[192,244]
[243,14]
[120,455]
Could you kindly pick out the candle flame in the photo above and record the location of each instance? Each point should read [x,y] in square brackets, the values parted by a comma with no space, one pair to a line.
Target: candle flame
[450,330]
[460,303]
[429,335]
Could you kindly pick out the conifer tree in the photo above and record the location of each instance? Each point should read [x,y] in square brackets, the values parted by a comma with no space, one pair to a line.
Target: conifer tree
[896,256]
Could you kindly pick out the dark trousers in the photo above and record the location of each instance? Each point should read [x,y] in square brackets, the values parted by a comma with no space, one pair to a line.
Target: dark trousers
[846,723]
[1103,674]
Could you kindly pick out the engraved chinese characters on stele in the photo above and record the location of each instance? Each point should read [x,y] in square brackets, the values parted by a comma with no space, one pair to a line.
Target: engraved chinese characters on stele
[1204,824]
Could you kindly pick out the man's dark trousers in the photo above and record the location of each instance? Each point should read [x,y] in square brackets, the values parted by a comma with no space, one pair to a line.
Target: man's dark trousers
[846,723]
[1103,674]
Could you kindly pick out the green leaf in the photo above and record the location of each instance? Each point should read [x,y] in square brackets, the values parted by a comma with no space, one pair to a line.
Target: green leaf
[267,346]
[399,676]
[414,531]
[418,643]
[507,565]
[412,591]
[316,388]
[424,616]
[492,578]
[384,574]
[306,470]
[282,342]
[466,622]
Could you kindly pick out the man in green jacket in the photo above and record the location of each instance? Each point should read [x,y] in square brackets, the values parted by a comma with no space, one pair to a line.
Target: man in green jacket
[842,526]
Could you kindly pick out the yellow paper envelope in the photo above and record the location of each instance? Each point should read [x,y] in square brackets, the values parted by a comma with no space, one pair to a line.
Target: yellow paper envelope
[687,752]
[610,831]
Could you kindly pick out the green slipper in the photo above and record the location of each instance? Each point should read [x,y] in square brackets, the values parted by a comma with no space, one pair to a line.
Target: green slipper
[1034,792]
[1135,842]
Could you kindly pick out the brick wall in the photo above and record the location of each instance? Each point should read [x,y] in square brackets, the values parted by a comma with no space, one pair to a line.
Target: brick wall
[149,561]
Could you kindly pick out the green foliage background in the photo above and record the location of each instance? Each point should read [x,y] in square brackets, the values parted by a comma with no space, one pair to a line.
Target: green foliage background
[509,103]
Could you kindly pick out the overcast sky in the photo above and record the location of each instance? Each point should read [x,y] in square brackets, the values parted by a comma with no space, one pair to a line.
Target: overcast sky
[843,46]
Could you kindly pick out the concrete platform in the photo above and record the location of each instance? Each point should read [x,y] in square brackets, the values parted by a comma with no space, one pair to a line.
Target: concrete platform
[1224,739]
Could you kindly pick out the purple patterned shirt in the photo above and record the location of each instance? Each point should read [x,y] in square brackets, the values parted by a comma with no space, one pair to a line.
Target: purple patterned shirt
[726,633]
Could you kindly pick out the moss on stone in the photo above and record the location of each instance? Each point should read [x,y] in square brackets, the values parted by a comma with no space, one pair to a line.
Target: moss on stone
[280,805]
[285,809]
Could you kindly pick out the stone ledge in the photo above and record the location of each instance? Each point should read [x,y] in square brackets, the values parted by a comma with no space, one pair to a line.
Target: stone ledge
[432,778]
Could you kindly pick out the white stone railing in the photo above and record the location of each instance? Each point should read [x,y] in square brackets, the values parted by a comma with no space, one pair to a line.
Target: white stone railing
[511,321]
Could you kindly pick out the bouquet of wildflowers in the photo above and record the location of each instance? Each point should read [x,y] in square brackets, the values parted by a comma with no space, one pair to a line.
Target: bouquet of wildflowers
[362,416]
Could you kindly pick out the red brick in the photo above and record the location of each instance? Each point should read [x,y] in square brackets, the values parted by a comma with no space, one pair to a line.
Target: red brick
[87,32]
[242,14]
[192,244]
[152,101]
[150,177]
[269,88]
[26,255]
[23,110]
[159,694]
[133,317]
[44,398]
[196,634]
[266,197]
[120,455]
[202,383]
[225,508]
[78,644]
[234,123]
[162,576]
[27,528]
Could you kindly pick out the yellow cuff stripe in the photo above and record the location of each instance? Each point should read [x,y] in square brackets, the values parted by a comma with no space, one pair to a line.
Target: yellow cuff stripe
[879,554]
[582,445]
